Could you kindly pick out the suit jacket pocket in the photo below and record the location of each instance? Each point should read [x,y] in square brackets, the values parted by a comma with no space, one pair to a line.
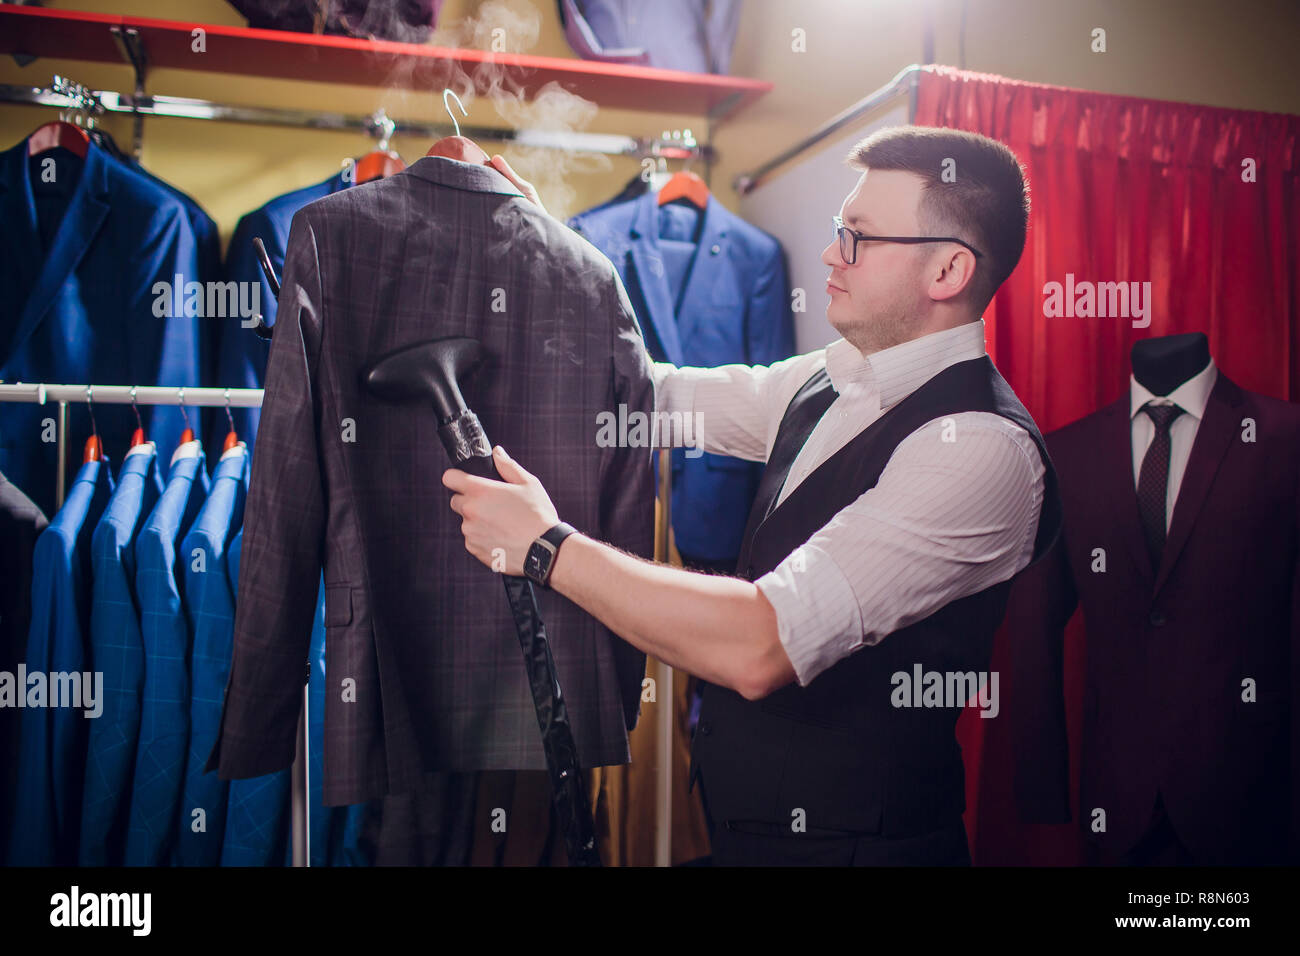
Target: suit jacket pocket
[338,605]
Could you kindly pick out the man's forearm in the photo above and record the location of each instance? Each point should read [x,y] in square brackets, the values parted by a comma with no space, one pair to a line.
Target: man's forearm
[718,628]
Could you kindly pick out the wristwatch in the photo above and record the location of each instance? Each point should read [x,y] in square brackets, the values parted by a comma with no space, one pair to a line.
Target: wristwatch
[541,556]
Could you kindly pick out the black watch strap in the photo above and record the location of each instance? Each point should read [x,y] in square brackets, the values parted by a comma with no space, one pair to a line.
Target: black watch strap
[540,560]
[558,534]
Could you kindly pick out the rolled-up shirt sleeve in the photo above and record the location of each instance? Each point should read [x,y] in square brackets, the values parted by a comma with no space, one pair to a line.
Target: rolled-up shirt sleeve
[948,518]
[733,410]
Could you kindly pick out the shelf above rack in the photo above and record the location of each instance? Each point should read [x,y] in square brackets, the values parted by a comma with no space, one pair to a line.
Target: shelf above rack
[35,32]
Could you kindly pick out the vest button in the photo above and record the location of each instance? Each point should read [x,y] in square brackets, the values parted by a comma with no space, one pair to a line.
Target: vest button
[1158,618]
[749,571]
[705,728]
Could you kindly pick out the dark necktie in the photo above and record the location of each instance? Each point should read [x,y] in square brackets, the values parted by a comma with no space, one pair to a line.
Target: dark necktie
[1153,480]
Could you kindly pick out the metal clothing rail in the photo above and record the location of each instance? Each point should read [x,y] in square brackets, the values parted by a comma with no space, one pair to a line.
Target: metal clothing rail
[42,394]
[903,84]
[107,101]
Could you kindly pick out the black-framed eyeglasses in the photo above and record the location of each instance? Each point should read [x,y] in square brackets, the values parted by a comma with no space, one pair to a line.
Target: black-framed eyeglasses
[849,239]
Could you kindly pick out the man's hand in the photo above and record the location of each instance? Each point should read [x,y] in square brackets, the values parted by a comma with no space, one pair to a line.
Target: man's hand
[498,162]
[501,519]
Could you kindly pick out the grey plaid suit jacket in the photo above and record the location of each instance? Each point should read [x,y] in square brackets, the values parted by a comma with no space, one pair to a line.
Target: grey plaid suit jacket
[426,672]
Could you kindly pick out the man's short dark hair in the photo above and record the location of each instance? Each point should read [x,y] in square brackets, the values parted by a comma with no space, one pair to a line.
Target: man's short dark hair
[986,202]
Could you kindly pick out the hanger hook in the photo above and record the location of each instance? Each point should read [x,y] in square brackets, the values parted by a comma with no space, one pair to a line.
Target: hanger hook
[136,408]
[184,413]
[230,418]
[90,404]
[447,106]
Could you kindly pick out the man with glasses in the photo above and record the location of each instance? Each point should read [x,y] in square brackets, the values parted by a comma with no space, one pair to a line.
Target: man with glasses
[905,486]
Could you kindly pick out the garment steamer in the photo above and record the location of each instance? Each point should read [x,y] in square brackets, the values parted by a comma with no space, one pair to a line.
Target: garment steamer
[431,372]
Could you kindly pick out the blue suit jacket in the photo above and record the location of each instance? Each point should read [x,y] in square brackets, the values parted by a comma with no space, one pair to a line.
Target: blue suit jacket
[51,758]
[116,651]
[731,305]
[241,354]
[257,809]
[165,707]
[78,266]
[210,608]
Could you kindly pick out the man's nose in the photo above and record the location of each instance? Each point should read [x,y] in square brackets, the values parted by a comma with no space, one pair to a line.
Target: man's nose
[831,255]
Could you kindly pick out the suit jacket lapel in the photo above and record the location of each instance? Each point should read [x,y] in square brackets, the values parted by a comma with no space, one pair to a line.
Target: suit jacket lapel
[1221,424]
[652,277]
[1118,486]
[703,275]
[81,223]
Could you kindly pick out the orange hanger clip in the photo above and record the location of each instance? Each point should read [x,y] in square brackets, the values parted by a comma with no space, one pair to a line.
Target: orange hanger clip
[378,165]
[685,185]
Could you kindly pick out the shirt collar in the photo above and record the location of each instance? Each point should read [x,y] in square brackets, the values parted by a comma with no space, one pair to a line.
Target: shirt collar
[1192,396]
[901,369]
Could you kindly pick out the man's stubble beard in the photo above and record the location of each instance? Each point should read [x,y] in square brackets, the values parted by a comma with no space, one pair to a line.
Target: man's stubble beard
[888,325]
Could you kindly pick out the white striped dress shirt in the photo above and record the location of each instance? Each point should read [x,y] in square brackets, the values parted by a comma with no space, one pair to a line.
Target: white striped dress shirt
[955,510]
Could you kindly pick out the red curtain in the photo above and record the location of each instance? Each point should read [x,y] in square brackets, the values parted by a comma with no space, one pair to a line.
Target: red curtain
[1201,203]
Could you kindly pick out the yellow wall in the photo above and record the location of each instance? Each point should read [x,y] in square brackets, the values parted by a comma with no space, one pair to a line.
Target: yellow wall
[1202,51]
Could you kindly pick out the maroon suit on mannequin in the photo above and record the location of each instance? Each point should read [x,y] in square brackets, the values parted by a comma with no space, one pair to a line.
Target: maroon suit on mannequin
[1192,667]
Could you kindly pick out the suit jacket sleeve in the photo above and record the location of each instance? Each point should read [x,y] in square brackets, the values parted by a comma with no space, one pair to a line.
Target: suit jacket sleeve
[627,478]
[241,354]
[769,326]
[284,527]
[1042,601]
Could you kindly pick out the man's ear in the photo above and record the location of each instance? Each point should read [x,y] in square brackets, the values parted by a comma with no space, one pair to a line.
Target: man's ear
[954,272]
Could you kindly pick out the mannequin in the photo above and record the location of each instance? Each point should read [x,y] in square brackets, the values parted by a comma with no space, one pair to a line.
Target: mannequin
[1162,364]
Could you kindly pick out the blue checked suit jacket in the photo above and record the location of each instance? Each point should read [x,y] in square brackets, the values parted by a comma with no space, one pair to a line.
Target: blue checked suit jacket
[117,651]
[51,758]
[79,305]
[165,709]
[210,609]
[257,810]
[733,306]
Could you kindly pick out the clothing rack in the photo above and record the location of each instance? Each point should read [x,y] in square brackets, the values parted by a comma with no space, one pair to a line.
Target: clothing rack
[905,83]
[64,95]
[42,394]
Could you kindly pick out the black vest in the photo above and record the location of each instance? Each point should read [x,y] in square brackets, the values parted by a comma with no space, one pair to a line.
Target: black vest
[838,749]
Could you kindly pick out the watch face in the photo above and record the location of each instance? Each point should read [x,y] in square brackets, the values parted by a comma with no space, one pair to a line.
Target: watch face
[538,562]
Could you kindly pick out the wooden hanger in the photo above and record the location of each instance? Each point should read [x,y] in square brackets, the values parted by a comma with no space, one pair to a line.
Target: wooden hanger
[685,185]
[59,135]
[378,164]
